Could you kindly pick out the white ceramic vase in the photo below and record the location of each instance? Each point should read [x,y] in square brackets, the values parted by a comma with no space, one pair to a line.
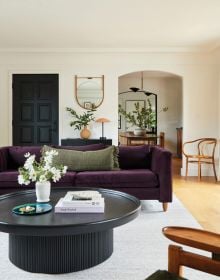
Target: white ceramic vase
[43,191]
[139,131]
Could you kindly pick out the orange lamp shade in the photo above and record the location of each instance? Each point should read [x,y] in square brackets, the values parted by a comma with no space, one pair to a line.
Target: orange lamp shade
[102,121]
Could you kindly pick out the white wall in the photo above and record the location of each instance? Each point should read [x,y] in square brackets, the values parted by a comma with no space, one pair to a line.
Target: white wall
[169,94]
[198,71]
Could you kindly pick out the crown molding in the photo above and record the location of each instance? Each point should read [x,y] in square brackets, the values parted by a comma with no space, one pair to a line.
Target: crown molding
[110,50]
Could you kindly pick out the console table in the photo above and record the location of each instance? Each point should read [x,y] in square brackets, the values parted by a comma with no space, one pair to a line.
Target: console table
[82,142]
[129,139]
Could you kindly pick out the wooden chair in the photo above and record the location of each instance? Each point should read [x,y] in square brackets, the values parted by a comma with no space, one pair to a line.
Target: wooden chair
[205,152]
[177,257]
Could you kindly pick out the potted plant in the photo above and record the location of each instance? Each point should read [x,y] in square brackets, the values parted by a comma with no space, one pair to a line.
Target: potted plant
[143,118]
[81,121]
[41,173]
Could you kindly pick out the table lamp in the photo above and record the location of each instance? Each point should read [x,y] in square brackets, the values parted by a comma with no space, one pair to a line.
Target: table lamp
[102,120]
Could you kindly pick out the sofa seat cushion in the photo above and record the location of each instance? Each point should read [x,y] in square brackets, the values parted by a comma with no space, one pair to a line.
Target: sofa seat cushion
[141,178]
[9,175]
[67,180]
[10,179]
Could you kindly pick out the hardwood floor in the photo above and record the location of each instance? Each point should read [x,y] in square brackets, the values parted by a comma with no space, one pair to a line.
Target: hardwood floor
[201,198]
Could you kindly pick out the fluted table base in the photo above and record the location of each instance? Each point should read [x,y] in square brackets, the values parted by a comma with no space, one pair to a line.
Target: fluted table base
[60,254]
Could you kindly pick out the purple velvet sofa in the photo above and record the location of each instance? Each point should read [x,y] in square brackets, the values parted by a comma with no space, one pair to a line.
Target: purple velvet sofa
[145,171]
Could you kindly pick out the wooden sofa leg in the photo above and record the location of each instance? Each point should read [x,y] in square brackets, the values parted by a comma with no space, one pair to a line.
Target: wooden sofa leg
[165,206]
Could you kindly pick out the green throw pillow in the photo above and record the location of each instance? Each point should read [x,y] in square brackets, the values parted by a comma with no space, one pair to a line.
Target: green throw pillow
[88,160]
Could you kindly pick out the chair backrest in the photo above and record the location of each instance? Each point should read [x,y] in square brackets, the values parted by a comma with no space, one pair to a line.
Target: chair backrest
[206,147]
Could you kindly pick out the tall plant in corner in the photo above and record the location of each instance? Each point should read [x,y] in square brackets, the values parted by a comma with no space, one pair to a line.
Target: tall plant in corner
[80,122]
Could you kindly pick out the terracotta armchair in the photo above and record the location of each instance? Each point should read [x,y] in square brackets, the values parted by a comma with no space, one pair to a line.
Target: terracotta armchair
[177,257]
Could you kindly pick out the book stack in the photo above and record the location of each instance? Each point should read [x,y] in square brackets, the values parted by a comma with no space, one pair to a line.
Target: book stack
[81,202]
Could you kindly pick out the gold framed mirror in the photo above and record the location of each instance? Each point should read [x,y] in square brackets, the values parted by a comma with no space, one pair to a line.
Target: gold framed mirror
[89,91]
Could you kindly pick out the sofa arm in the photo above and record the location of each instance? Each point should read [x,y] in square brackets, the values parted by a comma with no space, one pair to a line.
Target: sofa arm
[3,158]
[161,164]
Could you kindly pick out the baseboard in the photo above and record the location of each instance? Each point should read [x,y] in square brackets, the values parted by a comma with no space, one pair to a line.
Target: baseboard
[193,171]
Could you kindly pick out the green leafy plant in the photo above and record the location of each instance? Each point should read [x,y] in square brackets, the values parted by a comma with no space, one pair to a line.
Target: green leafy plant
[140,117]
[81,121]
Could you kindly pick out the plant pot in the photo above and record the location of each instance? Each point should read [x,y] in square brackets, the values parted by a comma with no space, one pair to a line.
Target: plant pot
[43,191]
[85,133]
[139,131]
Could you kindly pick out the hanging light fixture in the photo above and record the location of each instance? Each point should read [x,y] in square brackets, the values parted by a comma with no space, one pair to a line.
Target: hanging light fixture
[135,89]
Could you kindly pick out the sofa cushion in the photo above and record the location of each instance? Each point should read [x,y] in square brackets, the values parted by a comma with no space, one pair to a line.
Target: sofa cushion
[10,179]
[93,147]
[17,159]
[3,158]
[84,160]
[141,178]
[67,180]
[16,155]
[134,157]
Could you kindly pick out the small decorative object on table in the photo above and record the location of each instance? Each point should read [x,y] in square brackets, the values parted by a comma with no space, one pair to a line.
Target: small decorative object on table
[31,209]
[42,173]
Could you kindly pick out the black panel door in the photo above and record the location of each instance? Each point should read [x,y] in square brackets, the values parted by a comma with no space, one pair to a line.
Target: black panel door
[35,109]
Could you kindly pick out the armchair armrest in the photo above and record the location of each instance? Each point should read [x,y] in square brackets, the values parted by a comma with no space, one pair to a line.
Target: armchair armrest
[196,238]
[3,158]
[161,164]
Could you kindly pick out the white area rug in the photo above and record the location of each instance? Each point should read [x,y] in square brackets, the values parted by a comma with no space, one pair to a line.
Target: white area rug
[139,249]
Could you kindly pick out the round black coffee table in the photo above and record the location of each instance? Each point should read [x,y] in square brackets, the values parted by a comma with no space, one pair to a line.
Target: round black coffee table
[61,242]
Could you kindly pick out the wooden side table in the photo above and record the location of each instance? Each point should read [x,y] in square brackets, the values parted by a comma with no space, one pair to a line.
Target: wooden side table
[129,139]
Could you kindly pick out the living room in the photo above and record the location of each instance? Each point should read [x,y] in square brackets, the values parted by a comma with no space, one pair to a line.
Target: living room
[116,38]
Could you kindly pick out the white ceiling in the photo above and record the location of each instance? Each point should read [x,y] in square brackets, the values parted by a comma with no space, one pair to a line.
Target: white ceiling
[112,24]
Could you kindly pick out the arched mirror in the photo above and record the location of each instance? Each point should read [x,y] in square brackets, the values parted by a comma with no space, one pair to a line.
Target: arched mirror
[89,91]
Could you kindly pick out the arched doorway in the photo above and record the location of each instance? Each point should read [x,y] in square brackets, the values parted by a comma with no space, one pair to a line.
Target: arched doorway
[168,88]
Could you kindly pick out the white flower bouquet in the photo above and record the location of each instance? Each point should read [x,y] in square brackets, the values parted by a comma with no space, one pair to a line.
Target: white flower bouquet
[42,171]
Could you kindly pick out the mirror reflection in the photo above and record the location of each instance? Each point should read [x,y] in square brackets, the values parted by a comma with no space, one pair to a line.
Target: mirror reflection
[127,102]
[89,91]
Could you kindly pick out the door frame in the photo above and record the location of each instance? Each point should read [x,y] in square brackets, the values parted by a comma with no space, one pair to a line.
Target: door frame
[10,97]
